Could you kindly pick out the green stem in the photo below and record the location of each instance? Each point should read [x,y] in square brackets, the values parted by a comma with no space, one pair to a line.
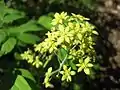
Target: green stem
[46,63]
[60,66]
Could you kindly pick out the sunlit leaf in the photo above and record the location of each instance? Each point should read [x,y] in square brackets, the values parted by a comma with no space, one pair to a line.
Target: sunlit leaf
[62,53]
[2,36]
[28,38]
[20,84]
[25,73]
[8,45]
[27,27]
[45,21]
[72,65]
[2,9]
[11,17]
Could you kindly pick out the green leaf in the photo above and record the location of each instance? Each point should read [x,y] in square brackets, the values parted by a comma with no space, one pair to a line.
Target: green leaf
[2,36]
[62,53]
[28,38]
[14,11]
[20,43]
[1,53]
[45,21]
[25,73]
[8,45]
[11,17]
[2,9]
[72,64]
[20,84]
[27,27]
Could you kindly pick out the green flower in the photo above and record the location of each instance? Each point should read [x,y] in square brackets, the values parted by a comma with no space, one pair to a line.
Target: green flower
[28,55]
[85,65]
[67,73]
[59,18]
[48,78]
[37,63]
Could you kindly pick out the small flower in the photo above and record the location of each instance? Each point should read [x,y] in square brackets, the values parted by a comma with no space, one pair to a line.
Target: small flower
[47,78]
[37,63]
[71,25]
[59,18]
[67,73]
[85,65]
[28,55]
[30,59]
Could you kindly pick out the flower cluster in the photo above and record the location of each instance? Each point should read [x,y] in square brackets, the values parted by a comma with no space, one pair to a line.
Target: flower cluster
[73,33]
[31,58]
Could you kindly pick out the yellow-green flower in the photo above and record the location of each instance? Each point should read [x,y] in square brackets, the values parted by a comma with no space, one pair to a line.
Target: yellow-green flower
[28,55]
[59,18]
[67,73]
[37,63]
[47,78]
[85,65]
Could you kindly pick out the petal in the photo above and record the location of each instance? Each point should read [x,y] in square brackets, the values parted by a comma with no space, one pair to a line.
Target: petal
[56,15]
[49,85]
[69,69]
[37,65]
[67,39]
[87,60]
[64,67]
[87,71]
[51,49]
[46,80]
[78,65]
[61,72]
[69,78]
[95,32]
[63,77]
[72,72]
[80,69]
[89,65]
[61,27]
[50,70]
[80,60]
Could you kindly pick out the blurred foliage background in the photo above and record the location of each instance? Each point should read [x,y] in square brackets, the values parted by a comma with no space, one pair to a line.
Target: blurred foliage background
[104,14]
